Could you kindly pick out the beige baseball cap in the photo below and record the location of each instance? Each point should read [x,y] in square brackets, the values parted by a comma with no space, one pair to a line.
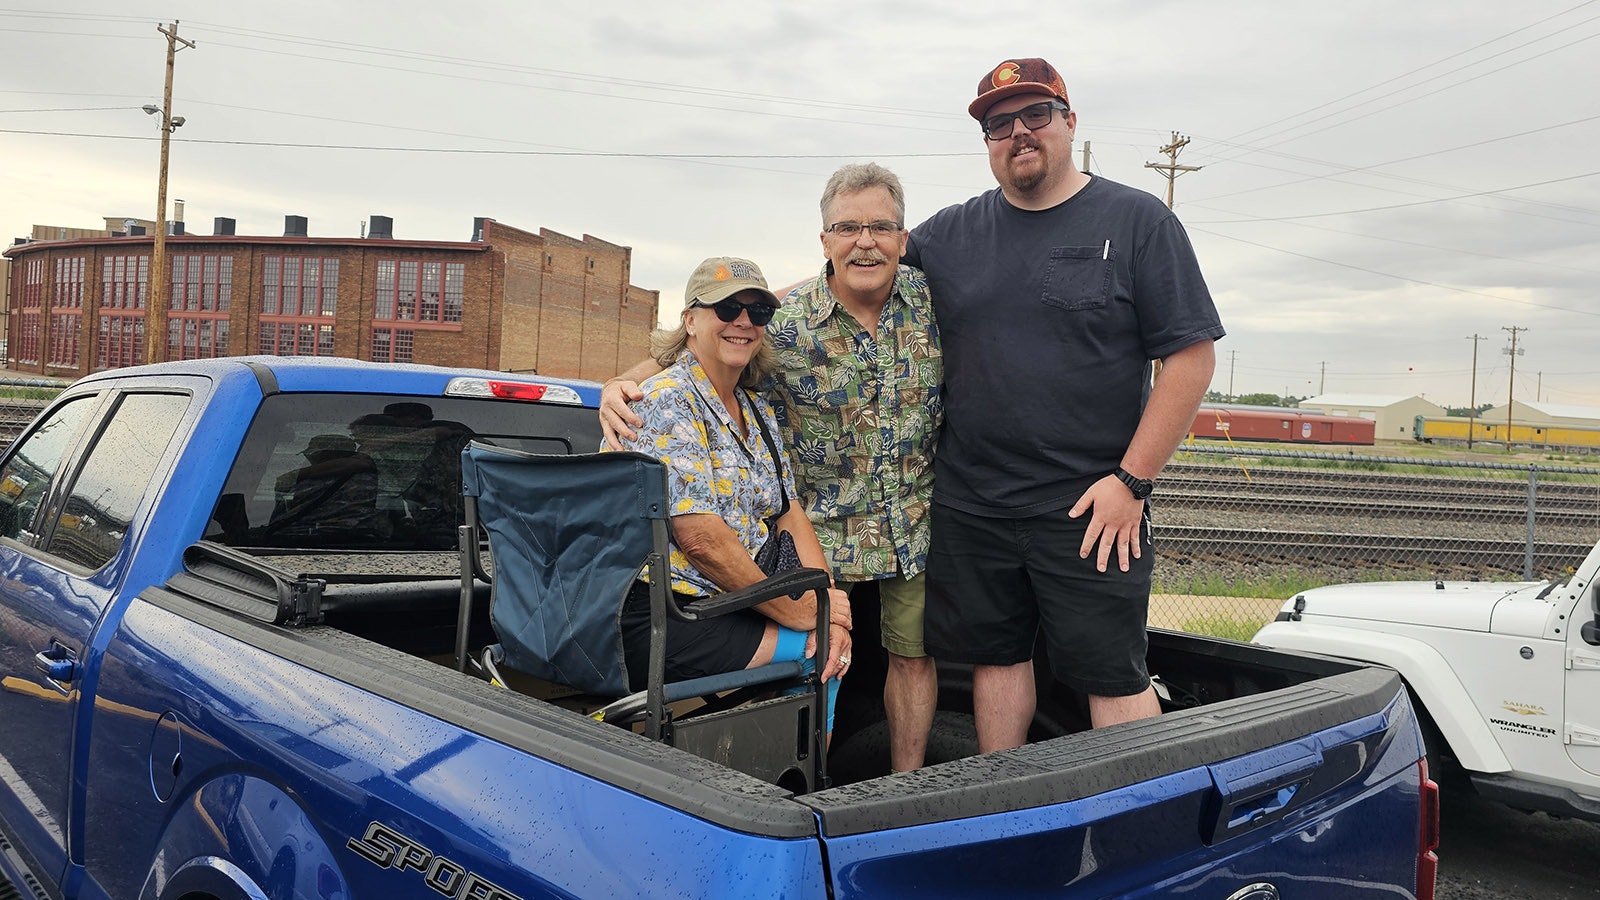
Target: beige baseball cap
[721,277]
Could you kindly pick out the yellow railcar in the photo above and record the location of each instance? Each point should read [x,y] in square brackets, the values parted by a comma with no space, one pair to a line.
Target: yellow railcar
[1453,430]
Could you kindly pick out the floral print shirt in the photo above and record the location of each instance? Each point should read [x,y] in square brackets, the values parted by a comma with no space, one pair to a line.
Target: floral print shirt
[861,411]
[711,468]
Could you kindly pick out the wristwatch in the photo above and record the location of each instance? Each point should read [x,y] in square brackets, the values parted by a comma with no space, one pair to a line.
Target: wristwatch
[1141,487]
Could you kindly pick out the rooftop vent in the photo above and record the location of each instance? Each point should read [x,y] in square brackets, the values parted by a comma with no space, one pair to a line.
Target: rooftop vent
[222,225]
[382,228]
[477,227]
[294,226]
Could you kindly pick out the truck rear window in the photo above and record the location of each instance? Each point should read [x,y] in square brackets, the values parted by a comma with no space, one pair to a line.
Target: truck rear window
[339,472]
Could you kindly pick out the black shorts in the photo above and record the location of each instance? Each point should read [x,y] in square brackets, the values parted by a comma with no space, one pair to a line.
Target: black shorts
[995,584]
[694,649]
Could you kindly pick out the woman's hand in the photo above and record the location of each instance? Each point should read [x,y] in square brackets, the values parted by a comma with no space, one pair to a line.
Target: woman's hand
[839,609]
[838,651]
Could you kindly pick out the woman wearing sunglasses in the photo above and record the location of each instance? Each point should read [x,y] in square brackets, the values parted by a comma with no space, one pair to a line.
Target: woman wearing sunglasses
[729,481]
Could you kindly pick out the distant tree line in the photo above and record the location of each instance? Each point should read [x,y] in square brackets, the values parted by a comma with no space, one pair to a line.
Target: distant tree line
[1465,412]
[1255,400]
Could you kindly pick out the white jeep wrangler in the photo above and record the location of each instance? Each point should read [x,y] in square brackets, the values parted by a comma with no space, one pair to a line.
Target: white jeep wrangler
[1507,675]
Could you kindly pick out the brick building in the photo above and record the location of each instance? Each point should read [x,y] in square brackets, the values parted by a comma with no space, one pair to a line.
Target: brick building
[509,299]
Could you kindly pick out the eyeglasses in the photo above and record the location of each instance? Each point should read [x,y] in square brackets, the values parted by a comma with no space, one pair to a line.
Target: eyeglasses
[728,310]
[883,228]
[1037,116]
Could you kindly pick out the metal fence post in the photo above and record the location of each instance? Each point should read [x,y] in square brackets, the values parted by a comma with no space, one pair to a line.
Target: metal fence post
[1533,494]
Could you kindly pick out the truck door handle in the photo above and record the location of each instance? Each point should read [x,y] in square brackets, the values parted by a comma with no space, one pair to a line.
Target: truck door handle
[1259,789]
[58,663]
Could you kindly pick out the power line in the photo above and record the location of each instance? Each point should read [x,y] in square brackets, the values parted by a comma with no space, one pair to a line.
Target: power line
[1419,69]
[1435,78]
[1406,278]
[1368,209]
[594,154]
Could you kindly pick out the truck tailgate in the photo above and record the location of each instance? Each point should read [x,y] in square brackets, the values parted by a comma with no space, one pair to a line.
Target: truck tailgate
[1319,780]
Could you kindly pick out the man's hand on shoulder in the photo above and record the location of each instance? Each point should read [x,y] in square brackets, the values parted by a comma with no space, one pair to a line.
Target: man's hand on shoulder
[617,420]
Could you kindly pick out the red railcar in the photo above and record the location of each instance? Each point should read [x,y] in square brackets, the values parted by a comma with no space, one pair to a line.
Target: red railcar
[1286,425]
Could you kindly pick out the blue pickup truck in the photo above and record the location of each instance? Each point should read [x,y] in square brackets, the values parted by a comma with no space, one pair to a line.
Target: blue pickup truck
[165,736]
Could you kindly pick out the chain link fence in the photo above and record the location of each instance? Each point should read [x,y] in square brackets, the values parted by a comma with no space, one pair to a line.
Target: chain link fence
[1238,531]
[20,400]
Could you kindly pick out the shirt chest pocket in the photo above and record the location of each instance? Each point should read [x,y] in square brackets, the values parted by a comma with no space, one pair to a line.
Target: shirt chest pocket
[1078,277]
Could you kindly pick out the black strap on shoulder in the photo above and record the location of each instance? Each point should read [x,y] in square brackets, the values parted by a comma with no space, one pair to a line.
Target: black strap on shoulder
[772,448]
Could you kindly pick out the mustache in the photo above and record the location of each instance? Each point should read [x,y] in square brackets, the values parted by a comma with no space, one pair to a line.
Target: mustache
[867,255]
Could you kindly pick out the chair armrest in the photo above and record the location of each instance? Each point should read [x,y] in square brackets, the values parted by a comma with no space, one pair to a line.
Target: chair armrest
[792,583]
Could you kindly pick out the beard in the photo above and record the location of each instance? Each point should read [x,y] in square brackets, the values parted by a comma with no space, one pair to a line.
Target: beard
[1027,180]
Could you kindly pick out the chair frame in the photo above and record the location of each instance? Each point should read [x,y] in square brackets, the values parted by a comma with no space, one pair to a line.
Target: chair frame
[652,703]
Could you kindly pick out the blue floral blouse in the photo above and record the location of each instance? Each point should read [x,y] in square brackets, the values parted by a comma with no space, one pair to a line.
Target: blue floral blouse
[711,468]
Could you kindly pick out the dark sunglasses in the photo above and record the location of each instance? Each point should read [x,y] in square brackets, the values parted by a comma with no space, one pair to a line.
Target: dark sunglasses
[728,310]
[1037,116]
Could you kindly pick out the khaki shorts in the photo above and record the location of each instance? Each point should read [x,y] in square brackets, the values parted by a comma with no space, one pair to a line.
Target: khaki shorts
[900,622]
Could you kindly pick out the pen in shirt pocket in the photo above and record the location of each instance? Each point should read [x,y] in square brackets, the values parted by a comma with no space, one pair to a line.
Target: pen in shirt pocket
[1106,253]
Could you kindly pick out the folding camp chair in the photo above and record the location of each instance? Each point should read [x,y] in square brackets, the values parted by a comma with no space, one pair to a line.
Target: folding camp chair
[568,536]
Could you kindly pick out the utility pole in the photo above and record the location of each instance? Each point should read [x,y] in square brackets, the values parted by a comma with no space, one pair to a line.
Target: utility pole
[1170,169]
[1322,381]
[1233,355]
[1085,166]
[155,312]
[1472,410]
[1511,388]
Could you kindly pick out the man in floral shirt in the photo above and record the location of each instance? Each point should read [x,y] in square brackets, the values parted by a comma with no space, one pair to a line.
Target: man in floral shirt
[859,390]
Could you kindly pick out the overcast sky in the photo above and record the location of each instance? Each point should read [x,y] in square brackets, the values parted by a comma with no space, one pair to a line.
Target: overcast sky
[1380,181]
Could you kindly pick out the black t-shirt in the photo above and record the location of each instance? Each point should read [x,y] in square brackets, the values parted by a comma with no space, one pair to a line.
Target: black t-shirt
[1049,320]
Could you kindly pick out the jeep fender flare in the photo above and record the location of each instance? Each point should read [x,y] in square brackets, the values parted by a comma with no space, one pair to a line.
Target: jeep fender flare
[1425,671]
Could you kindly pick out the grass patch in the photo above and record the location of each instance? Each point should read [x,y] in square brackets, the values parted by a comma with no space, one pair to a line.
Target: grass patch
[1283,583]
[1223,625]
[29,393]
[1275,585]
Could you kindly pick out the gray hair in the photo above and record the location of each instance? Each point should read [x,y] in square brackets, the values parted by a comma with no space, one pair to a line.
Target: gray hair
[667,344]
[859,177]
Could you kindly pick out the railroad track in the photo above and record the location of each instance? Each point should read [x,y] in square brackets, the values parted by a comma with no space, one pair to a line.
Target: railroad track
[1553,514]
[1357,549]
[1557,503]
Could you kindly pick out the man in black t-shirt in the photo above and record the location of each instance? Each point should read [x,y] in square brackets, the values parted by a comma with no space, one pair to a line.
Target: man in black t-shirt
[1054,293]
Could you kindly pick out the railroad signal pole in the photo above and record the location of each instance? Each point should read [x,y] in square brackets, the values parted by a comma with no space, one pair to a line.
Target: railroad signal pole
[155,312]
[1511,388]
[1472,409]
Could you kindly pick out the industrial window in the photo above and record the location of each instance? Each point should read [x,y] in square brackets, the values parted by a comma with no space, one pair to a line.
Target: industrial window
[120,342]
[299,287]
[299,297]
[124,281]
[289,338]
[66,312]
[428,293]
[196,336]
[30,312]
[64,339]
[391,345]
[201,291]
